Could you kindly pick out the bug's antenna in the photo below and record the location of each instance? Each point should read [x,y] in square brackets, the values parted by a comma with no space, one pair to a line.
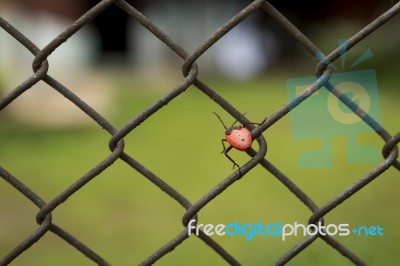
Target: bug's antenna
[234,123]
[237,120]
[222,122]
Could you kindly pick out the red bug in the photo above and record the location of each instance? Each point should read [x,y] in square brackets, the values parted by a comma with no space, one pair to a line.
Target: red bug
[238,137]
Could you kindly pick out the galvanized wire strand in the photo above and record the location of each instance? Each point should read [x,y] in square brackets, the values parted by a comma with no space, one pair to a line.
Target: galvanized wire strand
[190,71]
[291,29]
[36,77]
[351,190]
[390,146]
[220,32]
[45,225]
[67,33]
[357,37]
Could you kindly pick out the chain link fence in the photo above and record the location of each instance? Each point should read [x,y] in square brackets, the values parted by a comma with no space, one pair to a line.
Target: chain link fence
[190,72]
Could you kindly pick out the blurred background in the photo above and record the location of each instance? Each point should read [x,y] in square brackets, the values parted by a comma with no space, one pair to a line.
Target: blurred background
[119,68]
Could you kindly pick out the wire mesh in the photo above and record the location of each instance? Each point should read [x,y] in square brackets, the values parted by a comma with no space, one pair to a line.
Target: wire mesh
[190,74]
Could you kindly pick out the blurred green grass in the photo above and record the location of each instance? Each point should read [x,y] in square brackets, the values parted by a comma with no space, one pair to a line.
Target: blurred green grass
[125,218]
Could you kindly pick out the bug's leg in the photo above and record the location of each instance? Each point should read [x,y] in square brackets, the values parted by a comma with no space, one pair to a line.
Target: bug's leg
[237,120]
[230,159]
[252,124]
[223,145]
[258,124]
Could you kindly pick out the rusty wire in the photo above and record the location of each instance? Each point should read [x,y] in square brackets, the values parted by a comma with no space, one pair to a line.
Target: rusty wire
[190,71]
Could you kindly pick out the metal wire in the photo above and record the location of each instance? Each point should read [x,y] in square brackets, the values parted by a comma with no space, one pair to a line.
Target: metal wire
[190,71]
